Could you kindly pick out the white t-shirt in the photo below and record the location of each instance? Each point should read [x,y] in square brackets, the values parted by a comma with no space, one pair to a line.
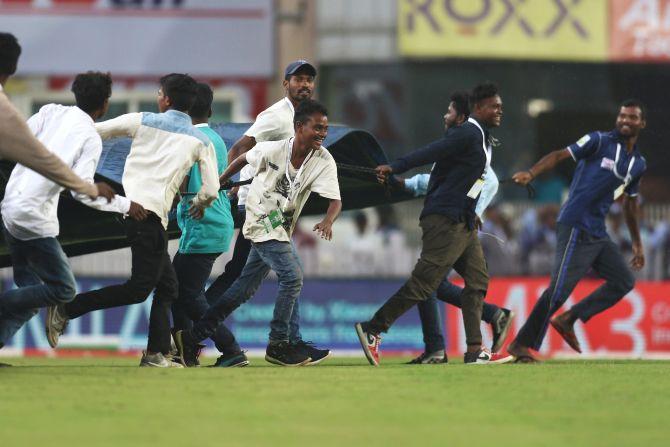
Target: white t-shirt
[271,190]
[272,124]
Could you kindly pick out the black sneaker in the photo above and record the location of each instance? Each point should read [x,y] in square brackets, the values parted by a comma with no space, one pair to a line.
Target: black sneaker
[188,349]
[500,327]
[239,359]
[481,357]
[285,354]
[317,355]
[429,358]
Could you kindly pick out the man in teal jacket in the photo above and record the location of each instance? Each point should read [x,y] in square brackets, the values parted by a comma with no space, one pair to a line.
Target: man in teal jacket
[203,240]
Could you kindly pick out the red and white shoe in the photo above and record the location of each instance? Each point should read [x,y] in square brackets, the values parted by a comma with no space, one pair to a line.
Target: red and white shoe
[499,358]
[370,343]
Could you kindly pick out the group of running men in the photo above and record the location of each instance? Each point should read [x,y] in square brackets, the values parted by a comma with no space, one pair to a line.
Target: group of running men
[176,159]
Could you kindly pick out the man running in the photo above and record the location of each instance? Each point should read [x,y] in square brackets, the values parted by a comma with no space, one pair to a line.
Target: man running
[448,222]
[500,319]
[29,208]
[164,148]
[608,164]
[286,173]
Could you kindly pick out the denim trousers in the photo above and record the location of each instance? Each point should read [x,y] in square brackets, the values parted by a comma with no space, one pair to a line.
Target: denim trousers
[43,277]
[233,270]
[264,256]
[193,270]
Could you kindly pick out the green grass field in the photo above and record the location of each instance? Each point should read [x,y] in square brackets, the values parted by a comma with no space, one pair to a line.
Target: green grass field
[112,402]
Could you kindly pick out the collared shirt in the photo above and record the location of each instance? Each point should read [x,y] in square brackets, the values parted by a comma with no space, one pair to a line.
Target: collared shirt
[271,190]
[19,145]
[164,148]
[272,124]
[603,167]
[460,161]
[418,185]
[29,209]
[212,233]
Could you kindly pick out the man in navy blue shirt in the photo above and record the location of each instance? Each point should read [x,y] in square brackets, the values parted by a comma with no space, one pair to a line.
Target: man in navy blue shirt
[448,225]
[608,165]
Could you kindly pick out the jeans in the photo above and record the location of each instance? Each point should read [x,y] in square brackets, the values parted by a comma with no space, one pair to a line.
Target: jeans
[233,270]
[192,271]
[44,278]
[576,253]
[431,318]
[264,256]
[151,268]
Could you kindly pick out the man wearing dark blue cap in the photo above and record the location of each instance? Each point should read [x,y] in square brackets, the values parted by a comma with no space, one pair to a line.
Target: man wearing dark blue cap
[273,124]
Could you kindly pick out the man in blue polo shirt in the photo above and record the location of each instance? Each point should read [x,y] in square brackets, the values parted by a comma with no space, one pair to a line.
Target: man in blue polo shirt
[203,240]
[608,165]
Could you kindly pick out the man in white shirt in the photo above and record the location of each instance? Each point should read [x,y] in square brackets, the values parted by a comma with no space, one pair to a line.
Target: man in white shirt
[30,205]
[273,124]
[286,172]
[164,148]
[19,145]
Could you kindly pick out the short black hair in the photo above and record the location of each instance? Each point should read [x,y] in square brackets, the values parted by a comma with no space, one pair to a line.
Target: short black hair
[91,90]
[203,101]
[181,89]
[461,100]
[632,102]
[483,91]
[306,109]
[10,50]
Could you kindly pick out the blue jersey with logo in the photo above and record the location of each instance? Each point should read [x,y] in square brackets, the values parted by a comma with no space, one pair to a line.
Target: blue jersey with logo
[604,168]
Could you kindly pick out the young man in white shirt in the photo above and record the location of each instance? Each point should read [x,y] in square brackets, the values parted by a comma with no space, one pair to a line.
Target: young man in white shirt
[164,148]
[286,172]
[18,144]
[30,205]
[273,124]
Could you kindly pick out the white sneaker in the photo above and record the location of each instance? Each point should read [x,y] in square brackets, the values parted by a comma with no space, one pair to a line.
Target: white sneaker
[481,357]
[56,324]
[158,361]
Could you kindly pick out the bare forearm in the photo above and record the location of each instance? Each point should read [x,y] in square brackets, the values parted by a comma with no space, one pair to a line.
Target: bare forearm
[630,212]
[240,147]
[334,209]
[549,162]
[234,167]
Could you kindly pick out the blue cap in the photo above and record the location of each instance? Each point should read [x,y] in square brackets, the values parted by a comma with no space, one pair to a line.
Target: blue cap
[293,67]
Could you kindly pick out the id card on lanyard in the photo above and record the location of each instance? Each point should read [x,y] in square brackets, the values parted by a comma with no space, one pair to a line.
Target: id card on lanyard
[476,188]
[625,179]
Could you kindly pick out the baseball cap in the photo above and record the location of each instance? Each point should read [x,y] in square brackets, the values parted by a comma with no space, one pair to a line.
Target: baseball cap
[293,67]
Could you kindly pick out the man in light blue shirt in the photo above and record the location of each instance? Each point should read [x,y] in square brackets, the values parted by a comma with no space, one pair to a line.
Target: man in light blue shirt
[500,319]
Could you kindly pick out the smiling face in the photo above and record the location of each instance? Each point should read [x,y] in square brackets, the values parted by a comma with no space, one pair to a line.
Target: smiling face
[489,111]
[629,121]
[313,131]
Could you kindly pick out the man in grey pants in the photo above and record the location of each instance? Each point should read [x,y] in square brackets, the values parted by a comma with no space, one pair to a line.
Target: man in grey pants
[608,165]
[448,224]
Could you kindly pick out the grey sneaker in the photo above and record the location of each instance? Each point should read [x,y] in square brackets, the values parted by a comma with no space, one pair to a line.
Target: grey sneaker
[500,327]
[158,361]
[56,324]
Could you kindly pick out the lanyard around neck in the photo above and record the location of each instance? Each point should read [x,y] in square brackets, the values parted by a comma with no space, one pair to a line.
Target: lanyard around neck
[625,179]
[292,183]
[487,150]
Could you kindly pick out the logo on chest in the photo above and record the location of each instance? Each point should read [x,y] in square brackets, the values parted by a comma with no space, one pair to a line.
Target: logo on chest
[607,163]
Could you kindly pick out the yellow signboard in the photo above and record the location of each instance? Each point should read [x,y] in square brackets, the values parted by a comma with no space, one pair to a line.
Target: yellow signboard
[574,30]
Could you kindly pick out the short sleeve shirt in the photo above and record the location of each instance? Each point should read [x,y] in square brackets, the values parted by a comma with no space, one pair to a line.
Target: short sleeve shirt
[272,124]
[271,190]
[604,169]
